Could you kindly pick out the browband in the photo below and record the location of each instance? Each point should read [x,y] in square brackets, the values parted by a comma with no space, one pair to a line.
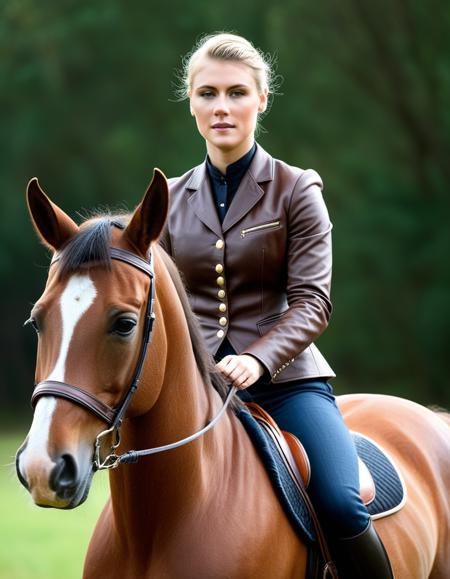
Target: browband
[132,259]
[122,255]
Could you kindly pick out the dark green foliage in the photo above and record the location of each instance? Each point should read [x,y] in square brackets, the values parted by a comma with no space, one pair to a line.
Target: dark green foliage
[87,105]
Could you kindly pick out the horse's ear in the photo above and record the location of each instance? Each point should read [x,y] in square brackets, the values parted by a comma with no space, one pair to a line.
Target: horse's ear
[149,218]
[53,226]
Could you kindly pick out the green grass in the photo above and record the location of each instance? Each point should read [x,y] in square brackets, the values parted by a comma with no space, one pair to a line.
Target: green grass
[38,543]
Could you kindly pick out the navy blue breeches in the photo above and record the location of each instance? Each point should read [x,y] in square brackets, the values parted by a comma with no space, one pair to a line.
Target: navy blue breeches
[307,408]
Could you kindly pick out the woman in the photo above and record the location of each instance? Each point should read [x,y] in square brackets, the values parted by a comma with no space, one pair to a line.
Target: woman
[252,238]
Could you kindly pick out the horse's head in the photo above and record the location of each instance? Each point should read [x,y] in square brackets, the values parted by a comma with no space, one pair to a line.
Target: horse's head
[90,321]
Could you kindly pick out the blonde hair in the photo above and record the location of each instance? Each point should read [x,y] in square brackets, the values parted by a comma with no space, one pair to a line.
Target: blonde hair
[226,46]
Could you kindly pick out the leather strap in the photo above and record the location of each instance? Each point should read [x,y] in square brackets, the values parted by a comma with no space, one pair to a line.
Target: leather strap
[74,394]
[131,259]
[300,469]
[122,255]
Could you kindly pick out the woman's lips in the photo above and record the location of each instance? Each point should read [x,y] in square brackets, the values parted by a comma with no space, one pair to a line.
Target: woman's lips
[222,126]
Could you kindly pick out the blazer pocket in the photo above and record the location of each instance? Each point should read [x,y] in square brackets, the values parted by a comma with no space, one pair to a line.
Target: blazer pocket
[276,224]
[266,324]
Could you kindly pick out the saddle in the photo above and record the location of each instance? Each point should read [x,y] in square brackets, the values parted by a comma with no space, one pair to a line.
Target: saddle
[296,459]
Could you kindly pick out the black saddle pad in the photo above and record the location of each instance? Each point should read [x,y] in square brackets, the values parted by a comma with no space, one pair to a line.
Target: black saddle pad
[290,498]
[390,491]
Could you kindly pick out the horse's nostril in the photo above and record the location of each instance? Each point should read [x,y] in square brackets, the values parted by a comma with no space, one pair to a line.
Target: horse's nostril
[64,476]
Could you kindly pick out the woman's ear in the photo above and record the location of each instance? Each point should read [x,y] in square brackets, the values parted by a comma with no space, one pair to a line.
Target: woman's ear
[191,110]
[263,101]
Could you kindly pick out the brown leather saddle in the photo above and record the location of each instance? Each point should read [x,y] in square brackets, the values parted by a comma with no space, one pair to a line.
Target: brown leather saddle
[296,459]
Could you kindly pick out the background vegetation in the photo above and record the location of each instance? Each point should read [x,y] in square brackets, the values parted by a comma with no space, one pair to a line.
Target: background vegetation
[42,543]
[87,105]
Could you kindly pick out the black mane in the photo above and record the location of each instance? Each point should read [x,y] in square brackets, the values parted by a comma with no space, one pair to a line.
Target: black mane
[90,247]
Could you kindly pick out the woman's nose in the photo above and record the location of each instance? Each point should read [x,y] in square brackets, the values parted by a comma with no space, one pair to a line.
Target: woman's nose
[221,106]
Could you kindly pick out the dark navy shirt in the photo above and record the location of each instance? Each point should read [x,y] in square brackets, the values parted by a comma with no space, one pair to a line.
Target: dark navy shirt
[225,186]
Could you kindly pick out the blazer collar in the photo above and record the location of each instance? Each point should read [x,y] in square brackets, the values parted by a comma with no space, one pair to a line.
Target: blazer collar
[248,194]
[202,199]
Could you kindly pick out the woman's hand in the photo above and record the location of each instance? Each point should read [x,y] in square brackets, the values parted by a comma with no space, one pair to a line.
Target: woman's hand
[242,371]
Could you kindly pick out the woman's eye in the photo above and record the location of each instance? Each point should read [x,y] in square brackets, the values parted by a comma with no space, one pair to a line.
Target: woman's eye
[207,94]
[32,322]
[237,93]
[123,326]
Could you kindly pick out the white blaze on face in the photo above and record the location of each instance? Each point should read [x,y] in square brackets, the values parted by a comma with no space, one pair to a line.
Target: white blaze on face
[77,297]
[75,300]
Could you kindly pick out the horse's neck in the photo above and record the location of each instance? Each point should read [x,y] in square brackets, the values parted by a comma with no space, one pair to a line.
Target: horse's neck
[163,489]
[160,488]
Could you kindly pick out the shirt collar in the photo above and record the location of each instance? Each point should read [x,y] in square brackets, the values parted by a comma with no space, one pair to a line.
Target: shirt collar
[235,170]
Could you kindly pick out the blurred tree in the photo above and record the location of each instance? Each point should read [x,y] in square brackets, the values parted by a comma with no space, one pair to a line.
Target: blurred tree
[87,105]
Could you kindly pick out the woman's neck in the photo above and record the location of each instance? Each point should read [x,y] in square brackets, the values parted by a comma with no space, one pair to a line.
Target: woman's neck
[221,158]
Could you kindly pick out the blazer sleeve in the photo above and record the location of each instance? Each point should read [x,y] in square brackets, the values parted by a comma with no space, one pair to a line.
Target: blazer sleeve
[309,264]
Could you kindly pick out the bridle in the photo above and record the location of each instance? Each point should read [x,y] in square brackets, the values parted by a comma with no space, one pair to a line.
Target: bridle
[114,416]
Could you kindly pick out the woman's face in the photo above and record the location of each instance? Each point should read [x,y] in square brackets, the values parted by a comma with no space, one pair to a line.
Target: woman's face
[225,102]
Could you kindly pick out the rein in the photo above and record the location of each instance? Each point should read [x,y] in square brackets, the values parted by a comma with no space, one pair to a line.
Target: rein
[114,416]
[134,455]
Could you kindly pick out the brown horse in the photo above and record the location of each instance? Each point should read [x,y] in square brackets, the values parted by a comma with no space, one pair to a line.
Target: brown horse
[206,509]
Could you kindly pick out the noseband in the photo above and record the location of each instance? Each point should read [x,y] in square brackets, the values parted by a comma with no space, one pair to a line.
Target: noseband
[114,416]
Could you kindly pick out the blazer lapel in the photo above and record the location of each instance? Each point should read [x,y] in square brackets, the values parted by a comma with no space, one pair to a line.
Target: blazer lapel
[249,191]
[201,199]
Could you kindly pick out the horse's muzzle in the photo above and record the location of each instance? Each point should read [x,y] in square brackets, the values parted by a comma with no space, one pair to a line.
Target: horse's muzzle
[59,484]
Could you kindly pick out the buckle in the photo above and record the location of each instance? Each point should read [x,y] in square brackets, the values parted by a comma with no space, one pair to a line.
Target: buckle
[112,460]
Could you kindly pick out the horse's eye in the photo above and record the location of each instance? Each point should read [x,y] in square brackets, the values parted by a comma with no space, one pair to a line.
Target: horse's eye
[32,322]
[123,326]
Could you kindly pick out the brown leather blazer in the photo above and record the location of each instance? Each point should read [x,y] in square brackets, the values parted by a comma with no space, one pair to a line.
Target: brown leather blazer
[262,278]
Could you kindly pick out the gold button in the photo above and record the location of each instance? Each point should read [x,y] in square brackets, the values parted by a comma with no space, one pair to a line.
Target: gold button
[220,334]
[219,268]
[219,244]
[222,308]
[220,280]
[221,294]
[223,321]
